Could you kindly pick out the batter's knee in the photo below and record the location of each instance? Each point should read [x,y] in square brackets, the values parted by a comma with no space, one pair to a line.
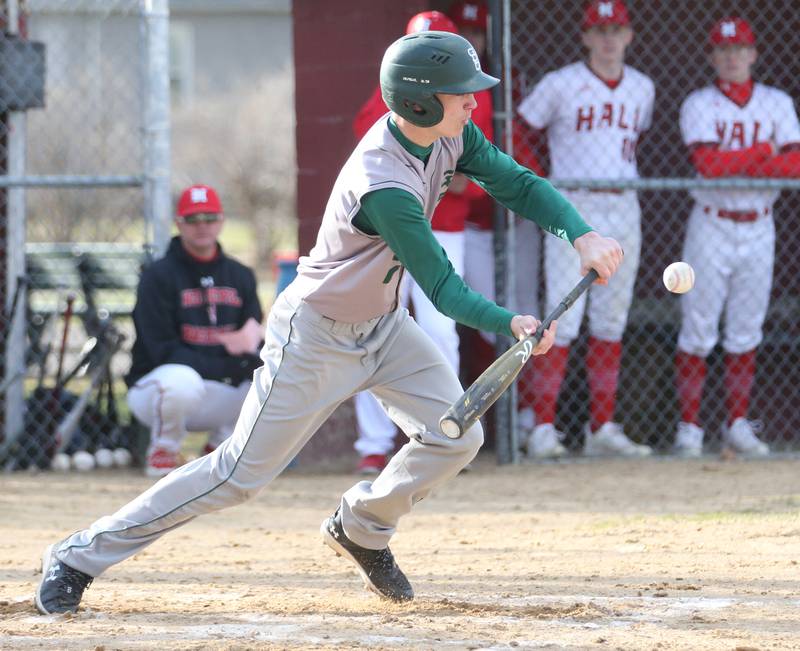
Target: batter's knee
[240,494]
[472,440]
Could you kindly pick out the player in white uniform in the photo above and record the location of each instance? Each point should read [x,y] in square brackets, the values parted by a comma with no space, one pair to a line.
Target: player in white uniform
[594,113]
[733,127]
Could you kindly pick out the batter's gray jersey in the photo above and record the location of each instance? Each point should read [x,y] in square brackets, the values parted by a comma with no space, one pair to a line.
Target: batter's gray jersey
[352,276]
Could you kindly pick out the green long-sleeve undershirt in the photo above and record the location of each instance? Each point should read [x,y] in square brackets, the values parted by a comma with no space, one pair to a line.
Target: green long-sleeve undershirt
[397,216]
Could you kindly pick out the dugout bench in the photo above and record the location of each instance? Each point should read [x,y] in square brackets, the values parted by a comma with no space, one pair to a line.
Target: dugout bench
[103,276]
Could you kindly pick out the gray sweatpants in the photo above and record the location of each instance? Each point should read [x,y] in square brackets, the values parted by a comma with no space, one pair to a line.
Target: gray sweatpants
[311,365]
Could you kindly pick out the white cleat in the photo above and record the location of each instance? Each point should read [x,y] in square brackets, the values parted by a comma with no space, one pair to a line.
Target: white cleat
[544,442]
[741,436]
[610,440]
[688,440]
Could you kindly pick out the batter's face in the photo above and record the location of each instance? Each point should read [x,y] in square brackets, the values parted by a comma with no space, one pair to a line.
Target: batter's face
[607,43]
[733,63]
[199,233]
[457,112]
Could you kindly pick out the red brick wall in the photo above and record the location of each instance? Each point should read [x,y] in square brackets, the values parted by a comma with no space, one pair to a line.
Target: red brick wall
[337,52]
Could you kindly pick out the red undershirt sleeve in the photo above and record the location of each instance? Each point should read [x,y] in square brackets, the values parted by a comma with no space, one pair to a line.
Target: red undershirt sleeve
[713,163]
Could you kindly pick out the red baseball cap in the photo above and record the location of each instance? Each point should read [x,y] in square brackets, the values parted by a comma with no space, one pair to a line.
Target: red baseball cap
[430,20]
[198,198]
[605,12]
[732,31]
[469,14]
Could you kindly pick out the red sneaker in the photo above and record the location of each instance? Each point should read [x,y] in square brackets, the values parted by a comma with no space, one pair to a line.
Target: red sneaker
[372,464]
[208,449]
[161,462]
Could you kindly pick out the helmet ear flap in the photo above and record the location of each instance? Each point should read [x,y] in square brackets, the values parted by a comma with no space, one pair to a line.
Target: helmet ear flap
[425,112]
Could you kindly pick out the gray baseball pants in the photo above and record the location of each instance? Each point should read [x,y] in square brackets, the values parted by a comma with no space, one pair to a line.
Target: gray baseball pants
[311,365]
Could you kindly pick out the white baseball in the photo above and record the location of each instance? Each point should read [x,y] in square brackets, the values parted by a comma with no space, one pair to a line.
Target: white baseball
[122,458]
[82,461]
[60,462]
[104,458]
[679,277]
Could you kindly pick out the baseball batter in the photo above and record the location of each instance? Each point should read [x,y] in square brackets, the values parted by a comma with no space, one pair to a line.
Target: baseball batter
[375,430]
[337,330]
[733,127]
[594,113]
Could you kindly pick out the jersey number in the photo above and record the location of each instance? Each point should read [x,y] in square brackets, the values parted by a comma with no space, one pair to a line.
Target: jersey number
[629,150]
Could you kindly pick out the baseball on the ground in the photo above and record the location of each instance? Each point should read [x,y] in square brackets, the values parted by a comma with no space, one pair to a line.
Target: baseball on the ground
[122,458]
[679,277]
[104,458]
[82,461]
[60,462]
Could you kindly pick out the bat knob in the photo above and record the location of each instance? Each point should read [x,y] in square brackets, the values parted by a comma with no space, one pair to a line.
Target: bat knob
[450,428]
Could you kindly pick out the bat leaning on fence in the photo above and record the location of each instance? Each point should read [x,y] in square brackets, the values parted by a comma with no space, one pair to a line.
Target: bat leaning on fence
[112,341]
[483,393]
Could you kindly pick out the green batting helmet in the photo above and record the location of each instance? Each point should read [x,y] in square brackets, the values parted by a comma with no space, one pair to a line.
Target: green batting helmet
[417,66]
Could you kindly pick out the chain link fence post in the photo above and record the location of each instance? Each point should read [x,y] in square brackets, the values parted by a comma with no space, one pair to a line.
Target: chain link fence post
[14,306]
[156,125]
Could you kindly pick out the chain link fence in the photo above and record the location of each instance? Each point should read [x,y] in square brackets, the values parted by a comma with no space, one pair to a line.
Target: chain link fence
[698,358]
[88,176]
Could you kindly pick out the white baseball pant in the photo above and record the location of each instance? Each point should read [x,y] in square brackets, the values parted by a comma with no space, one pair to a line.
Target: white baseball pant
[311,365]
[173,399]
[613,215]
[733,263]
[479,267]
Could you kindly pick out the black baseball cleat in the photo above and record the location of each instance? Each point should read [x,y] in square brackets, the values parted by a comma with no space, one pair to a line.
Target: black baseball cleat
[61,587]
[376,566]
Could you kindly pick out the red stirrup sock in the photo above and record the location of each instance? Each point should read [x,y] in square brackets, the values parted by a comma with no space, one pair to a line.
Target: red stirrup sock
[549,371]
[690,375]
[740,370]
[602,370]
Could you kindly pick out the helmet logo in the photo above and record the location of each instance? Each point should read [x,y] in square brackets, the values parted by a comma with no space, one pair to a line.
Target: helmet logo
[474,56]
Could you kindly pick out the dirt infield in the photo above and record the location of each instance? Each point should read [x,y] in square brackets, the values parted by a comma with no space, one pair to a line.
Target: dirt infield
[656,554]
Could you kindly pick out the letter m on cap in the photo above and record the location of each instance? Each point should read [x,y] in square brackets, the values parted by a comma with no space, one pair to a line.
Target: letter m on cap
[199,195]
[728,29]
[605,9]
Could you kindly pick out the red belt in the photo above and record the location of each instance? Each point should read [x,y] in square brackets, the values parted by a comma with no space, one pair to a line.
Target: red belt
[736,215]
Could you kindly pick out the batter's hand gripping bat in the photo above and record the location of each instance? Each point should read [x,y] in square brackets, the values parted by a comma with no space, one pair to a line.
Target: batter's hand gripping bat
[483,393]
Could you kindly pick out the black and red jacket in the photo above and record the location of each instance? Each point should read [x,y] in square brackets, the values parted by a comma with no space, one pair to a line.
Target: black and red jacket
[181,302]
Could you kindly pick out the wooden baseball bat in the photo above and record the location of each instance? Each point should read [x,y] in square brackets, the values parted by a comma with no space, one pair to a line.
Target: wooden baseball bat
[483,393]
